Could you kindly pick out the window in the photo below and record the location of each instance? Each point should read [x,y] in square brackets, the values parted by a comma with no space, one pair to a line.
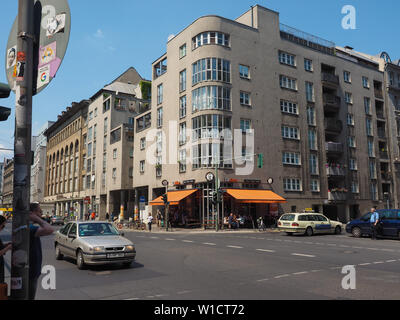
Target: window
[312,139]
[131,152]
[142,165]
[211,69]
[182,51]
[287,83]
[352,142]
[211,98]
[115,152]
[182,81]
[182,161]
[90,134]
[372,169]
[290,184]
[244,71]
[114,173]
[347,76]
[290,133]
[182,133]
[245,125]
[130,172]
[210,126]
[91,115]
[182,107]
[374,192]
[367,105]
[160,68]
[115,136]
[105,125]
[106,105]
[89,152]
[289,107]
[286,58]
[371,151]
[365,82]
[308,65]
[95,112]
[353,164]
[311,116]
[350,119]
[95,132]
[142,143]
[143,122]
[369,127]
[310,91]
[159,117]
[355,187]
[348,98]
[210,38]
[245,98]
[291,158]
[314,185]
[314,164]
[160,94]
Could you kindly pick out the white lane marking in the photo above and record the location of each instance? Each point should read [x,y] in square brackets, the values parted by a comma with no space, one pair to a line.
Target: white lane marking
[235,247]
[170,239]
[262,280]
[303,255]
[187,241]
[299,273]
[335,268]
[320,243]
[343,246]
[378,262]
[282,276]
[140,237]
[357,247]
[389,261]
[364,264]
[265,250]
[209,244]
[183,292]
[314,271]
[154,238]
[131,299]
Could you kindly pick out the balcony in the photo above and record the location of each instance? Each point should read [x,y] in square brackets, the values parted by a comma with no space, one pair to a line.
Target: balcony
[384,155]
[381,133]
[380,116]
[337,196]
[378,93]
[333,125]
[334,147]
[330,79]
[386,176]
[332,102]
[335,171]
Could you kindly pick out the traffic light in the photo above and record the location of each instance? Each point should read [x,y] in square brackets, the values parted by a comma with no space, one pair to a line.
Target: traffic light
[4,93]
[260,162]
[165,199]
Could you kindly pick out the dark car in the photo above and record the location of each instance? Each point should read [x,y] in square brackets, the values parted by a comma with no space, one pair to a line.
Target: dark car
[389,224]
[57,220]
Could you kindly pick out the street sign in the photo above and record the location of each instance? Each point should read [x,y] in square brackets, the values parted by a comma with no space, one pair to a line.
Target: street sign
[142,199]
[52,29]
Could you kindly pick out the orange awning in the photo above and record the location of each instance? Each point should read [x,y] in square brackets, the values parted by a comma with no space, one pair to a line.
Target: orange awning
[174,197]
[255,196]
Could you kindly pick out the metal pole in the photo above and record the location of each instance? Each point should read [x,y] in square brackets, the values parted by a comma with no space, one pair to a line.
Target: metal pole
[217,204]
[167,208]
[22,154]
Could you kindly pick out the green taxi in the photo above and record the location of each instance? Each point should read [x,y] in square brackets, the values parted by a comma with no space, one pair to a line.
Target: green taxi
[308,224]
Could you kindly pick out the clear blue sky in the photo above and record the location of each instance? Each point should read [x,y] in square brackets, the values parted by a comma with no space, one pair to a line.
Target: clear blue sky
[107,37]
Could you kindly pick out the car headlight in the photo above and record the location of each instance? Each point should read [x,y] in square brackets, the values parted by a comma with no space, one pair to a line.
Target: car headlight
[97,249]
[130,248]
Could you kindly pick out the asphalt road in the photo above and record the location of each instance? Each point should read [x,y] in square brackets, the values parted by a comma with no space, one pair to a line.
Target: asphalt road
[234,266]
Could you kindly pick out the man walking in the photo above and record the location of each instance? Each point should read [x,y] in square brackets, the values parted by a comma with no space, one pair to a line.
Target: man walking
[35,246]
[150,221]
[374,223]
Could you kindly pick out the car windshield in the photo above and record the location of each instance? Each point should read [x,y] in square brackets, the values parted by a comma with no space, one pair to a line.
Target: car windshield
[97,229]
[288,217]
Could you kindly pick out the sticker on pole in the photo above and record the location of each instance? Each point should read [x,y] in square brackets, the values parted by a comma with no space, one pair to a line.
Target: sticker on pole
[52,19]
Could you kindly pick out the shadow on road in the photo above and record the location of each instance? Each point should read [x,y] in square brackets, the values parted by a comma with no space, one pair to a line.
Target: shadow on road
[107,267]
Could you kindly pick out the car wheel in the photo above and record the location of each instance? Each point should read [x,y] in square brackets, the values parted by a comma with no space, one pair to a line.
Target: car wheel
[338,230]
[356,232]
[80,262]
[59,255]
[309,232]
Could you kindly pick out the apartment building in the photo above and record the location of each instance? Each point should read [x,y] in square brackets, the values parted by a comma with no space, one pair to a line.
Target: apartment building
[38,168]
[64,160]
[308,105]
[109,150]
[8,183]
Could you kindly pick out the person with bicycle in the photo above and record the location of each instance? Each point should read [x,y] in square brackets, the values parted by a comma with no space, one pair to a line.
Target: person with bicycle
[261,224]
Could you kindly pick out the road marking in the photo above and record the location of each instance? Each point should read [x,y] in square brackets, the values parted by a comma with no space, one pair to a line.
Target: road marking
[262,280]
[265,250]
[209,244]
[299,273]
[170,239]
[131,299]
[183,292]
[282,276]
[154,238]
[303,255]
[314,271]
[389,261]
[364,264]
[235,247]
[187,241]
[343,246]
[335,268]
[357,247]
[379,262]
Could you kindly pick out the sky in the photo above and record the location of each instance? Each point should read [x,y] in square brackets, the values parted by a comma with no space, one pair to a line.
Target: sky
[108,37]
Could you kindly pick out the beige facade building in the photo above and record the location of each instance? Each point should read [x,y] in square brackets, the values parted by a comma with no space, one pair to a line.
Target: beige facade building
[316,113]
[8,183]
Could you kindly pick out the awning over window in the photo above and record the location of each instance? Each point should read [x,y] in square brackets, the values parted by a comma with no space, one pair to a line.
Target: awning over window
[255,196]
[174,197]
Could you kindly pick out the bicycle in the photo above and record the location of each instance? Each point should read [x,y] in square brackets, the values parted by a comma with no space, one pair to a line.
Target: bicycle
[138,225]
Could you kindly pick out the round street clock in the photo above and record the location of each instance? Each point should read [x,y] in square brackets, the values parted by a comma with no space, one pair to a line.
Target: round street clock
[209,176]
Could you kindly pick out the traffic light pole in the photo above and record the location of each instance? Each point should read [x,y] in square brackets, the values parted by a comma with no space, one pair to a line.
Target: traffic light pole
[22,153]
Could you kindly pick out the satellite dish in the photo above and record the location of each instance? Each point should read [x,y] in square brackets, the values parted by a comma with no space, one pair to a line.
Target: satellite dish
[170,37]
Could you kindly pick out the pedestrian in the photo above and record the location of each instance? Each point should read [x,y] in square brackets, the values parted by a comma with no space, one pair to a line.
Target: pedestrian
[374,223]
[107,216]
[4,248]
[93,216]
[150,221]
[158,216]
[35,246]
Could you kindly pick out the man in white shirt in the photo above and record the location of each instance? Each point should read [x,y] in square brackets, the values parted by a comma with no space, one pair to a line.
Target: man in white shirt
[150,221]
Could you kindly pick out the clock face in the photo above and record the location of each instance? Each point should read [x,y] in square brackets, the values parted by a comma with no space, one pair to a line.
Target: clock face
[210,176]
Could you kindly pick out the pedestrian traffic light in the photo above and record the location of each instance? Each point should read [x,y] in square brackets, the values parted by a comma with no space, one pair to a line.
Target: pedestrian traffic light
[165,198]
[260,162]
[4,93]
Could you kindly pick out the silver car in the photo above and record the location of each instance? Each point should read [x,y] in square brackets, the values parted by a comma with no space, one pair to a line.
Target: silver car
[93,243]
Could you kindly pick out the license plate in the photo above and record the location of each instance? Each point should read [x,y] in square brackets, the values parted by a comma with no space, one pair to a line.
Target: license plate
[116,255]
[286,224]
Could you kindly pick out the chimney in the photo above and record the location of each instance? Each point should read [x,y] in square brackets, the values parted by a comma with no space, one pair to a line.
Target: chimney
[348,48]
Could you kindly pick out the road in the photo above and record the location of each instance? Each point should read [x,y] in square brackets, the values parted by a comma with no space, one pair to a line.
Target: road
[235,266]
